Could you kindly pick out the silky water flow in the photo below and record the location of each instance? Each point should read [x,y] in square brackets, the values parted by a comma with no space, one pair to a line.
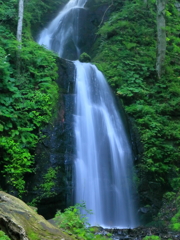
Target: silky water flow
[104,160]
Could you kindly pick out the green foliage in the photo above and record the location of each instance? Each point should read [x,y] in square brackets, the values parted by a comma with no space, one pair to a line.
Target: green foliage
[47,187]
[27,102]
[175,222]
[84,57]
[8,14]
[38,13]
[178,202]
[34,202]
[168,211]
[3,236]
[152,237]
[75,222]
[127,57]
[169,196]
[49,182]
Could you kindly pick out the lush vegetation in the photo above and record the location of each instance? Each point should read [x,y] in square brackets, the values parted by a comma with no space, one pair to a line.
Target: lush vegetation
[3,236]
[28,95]
[74,222]
[84,57]
[127,56]
[175,222]
[152,237]
[125,51]
[47,187]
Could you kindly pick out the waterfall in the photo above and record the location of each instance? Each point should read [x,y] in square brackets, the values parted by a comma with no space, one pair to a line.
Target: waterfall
[62,35]
[104,160]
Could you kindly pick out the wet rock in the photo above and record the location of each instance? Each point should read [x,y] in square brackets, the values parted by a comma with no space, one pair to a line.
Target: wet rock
[55,152]
[140,232]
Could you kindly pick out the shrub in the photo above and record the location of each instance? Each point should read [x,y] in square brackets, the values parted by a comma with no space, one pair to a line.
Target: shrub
[3,236]
[175,222]
[74,222]
[153,237]
[84,57]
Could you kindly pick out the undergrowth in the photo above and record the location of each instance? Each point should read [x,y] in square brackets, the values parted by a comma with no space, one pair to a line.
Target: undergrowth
[27,103]
[3,236]
[73,221]
[127,57]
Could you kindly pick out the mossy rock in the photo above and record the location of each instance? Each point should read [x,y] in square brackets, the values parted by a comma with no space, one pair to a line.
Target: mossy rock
[84,57]
[21,222]
[95,229]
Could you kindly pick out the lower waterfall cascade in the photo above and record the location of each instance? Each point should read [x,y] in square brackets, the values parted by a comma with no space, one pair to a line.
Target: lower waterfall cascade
[103,163]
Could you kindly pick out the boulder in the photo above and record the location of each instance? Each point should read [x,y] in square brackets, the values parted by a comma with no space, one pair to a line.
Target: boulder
[21,222]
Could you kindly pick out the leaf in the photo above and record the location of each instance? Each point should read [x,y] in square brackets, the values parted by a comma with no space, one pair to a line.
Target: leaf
[1,128]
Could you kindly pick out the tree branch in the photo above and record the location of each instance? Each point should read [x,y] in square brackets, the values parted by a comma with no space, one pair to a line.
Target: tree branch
[105,13]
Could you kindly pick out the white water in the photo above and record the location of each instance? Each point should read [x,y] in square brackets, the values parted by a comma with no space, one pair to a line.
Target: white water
[63,30]
[104,161]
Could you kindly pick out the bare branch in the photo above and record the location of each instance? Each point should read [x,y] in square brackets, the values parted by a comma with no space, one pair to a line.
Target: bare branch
[105,13]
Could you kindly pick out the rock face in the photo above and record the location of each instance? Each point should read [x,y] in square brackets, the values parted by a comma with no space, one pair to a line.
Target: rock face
[88,21]
[51,185]
[20,222]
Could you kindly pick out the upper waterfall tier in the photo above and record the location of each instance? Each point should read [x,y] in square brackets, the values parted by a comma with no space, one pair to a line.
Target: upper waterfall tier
[63,33]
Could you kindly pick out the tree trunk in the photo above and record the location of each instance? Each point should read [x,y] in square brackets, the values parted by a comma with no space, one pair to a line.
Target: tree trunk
[19,34]
[145,2]
[20,20]
[161,36]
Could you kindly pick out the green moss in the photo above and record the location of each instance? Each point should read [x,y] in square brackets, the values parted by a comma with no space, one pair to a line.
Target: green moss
[95,229]
[33,236]
[153,237]
[34,225]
